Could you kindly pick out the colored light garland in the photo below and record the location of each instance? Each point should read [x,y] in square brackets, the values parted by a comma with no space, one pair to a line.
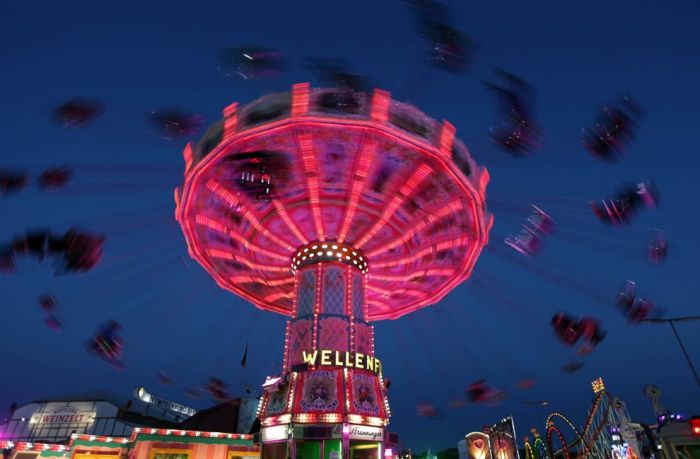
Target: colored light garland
[187,433]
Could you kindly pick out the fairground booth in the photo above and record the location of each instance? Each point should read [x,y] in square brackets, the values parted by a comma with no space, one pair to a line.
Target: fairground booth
[142,444]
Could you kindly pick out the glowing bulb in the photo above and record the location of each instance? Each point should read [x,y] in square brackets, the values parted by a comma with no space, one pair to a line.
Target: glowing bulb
[319,253]
[329,253]
[334,247]
[324,246]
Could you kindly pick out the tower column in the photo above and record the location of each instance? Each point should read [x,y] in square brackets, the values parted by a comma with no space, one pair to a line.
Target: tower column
[330,397]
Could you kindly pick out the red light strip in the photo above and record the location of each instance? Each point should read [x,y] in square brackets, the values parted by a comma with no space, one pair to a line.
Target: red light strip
[453,207]
[380,105]
[406,191]
[413,275]
[260,280]
[290,397]
[447,136]
[98,438]
[227,255]
[233,202]
[187,433]
[221,228]
[308,156]
[317,306]
[176,196]
[276,296]
[230,121]
[449,244]
[188,154]
[399,291]
[300,99]
[364,160]
[285,356]
[346,383]
[282,212]
[21,446]
[365,306]
[484,179]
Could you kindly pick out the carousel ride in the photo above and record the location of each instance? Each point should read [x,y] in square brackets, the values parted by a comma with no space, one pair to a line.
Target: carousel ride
[335,208]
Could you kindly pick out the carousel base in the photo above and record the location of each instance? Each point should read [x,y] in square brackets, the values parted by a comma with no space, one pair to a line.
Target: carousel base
[322,441]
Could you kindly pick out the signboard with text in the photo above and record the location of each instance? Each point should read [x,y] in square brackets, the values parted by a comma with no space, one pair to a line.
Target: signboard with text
[63,415]
[366,433]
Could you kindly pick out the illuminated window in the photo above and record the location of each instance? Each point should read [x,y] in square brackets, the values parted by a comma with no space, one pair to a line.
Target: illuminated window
[158,453]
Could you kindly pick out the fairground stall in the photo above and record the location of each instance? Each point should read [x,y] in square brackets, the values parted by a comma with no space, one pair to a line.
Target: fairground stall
[142,444]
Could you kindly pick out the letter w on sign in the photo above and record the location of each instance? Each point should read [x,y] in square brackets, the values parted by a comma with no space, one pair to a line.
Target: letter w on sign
[309,358]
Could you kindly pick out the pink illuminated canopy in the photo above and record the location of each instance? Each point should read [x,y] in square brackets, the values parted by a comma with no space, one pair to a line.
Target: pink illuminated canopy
[299,168]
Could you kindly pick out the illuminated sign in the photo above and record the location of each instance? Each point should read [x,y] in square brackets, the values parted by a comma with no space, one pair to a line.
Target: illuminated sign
[327,358]
[274,433]
[478,446]
[598,385]
[64,415]
[366,433]
[144,396]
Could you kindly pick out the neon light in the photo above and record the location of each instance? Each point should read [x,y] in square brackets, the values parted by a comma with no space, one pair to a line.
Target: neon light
[407,190]
[260,280]
[188,154]
[364,160]
[444,245]
[447,136]
[451,208]
[209,222]
[414,275]
[300,99]
[230,120]
[288,221]
[309,161]
[233,202]
[471,189]
[226,255]
[380,105]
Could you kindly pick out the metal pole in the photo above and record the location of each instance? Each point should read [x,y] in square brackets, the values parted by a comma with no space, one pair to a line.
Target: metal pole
[680,343]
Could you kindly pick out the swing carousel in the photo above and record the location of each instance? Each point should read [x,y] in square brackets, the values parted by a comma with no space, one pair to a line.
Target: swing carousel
[335,208]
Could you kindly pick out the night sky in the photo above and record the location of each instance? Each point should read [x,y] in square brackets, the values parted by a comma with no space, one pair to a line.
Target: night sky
[136,57]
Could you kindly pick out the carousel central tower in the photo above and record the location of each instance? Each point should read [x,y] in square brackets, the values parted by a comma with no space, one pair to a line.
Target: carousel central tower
[334,208]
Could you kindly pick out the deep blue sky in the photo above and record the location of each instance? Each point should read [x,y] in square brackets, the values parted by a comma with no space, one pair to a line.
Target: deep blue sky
[139,56]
